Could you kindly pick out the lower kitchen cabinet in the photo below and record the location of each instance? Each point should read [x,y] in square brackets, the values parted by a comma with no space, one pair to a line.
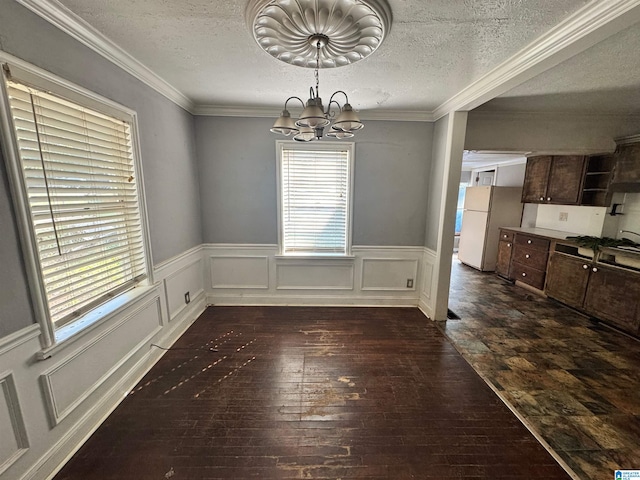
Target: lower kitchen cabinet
[505,249]
[529,260]
[608,293]
[567,279]
[613,295]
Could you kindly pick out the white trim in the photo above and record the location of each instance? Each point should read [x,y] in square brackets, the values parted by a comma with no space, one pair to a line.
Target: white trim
[176,260]
[241,246]
[310,300]
[273,112]
[628,140]
[314,262]
[60,86]
[589,25]
[61,17]
[236,286]
[16,339]
[350,147]
[55,414]
[8,390]
[390,289]
[377,248]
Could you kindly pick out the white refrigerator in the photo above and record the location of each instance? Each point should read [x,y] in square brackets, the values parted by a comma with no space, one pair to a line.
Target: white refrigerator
[486,209]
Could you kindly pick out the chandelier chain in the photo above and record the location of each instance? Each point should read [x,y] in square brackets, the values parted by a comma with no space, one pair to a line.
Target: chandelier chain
[317,69]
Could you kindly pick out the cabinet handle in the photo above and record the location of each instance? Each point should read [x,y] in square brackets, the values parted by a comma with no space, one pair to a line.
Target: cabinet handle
[548,199]
[585,266]
[527,256]
[505,236]
[542,199]
[524,274]
[509,245]
[594,269]
[529,241]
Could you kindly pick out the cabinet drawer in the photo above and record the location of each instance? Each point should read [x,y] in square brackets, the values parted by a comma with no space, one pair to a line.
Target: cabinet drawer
[525,255]
[531,241]
[506,236]
[528,275]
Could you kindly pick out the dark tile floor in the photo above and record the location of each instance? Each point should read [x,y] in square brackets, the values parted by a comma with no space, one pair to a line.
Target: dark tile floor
[575,382]
[324,393]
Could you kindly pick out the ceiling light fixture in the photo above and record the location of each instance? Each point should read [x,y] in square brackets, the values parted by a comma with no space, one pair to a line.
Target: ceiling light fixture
[315,34]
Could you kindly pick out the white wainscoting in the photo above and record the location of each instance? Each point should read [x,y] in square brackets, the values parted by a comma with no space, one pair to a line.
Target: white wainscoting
[239,271]
[180,275]
[13,443]
[49,407]
[258,275]
[314,275]
[68,383]
[426,298]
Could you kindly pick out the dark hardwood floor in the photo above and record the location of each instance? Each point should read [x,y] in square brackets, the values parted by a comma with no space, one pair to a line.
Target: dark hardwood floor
[335,393]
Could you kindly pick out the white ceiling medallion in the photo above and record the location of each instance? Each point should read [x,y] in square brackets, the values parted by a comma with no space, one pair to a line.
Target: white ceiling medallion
[354,29]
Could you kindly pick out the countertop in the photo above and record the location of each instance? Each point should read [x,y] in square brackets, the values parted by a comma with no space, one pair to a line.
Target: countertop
[542,232]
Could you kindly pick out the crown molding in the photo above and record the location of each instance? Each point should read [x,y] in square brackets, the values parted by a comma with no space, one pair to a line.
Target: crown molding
[61,17]
[589,25]
[273,112]
[546,113]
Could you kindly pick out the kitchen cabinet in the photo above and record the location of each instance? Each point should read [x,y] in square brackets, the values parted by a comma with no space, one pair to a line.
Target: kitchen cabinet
[613,295]
[505,249]
[626,172]
[596,191]
[556,179]
[567,278]
[609,293]
[529,260]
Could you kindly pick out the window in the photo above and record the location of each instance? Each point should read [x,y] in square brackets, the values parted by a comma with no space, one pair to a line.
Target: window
[460,207]
[315,184]
[79,183]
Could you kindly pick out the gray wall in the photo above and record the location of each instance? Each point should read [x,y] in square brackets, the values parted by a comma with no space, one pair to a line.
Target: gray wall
[237,159]
[166,138]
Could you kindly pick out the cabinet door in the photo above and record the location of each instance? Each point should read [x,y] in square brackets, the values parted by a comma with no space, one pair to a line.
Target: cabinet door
[504,258]
[627,165]
[566,179]
[536,176]
[614,295]
[567,279]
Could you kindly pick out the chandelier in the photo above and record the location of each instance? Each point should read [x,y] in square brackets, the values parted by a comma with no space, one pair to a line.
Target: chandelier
[315,34]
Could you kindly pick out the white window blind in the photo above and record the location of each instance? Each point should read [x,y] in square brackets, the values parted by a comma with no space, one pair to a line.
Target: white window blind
[315,200]
[80,181]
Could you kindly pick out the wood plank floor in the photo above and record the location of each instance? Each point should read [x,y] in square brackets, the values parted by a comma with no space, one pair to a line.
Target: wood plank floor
[331,393]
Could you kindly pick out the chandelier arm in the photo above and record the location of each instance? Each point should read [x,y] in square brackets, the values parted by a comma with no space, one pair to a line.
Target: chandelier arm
[335,93]
[291,98]
[329,113]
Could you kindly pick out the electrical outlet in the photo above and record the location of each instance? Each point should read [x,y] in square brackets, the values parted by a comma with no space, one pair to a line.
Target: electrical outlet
[409,282]
[564,216]
[187,298]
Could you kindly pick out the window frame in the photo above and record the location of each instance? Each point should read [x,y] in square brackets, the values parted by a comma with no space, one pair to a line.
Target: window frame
[41,79]
[314,146]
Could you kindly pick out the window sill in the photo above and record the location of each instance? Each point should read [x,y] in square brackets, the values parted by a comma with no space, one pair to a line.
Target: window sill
[73,331]
[315,257]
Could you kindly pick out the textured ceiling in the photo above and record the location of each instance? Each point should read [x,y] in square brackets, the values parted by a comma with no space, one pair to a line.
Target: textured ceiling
[435,48]
[602,79]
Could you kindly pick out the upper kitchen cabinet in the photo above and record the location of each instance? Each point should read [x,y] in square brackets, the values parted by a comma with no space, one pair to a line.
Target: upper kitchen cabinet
[626,173]
[556,179]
